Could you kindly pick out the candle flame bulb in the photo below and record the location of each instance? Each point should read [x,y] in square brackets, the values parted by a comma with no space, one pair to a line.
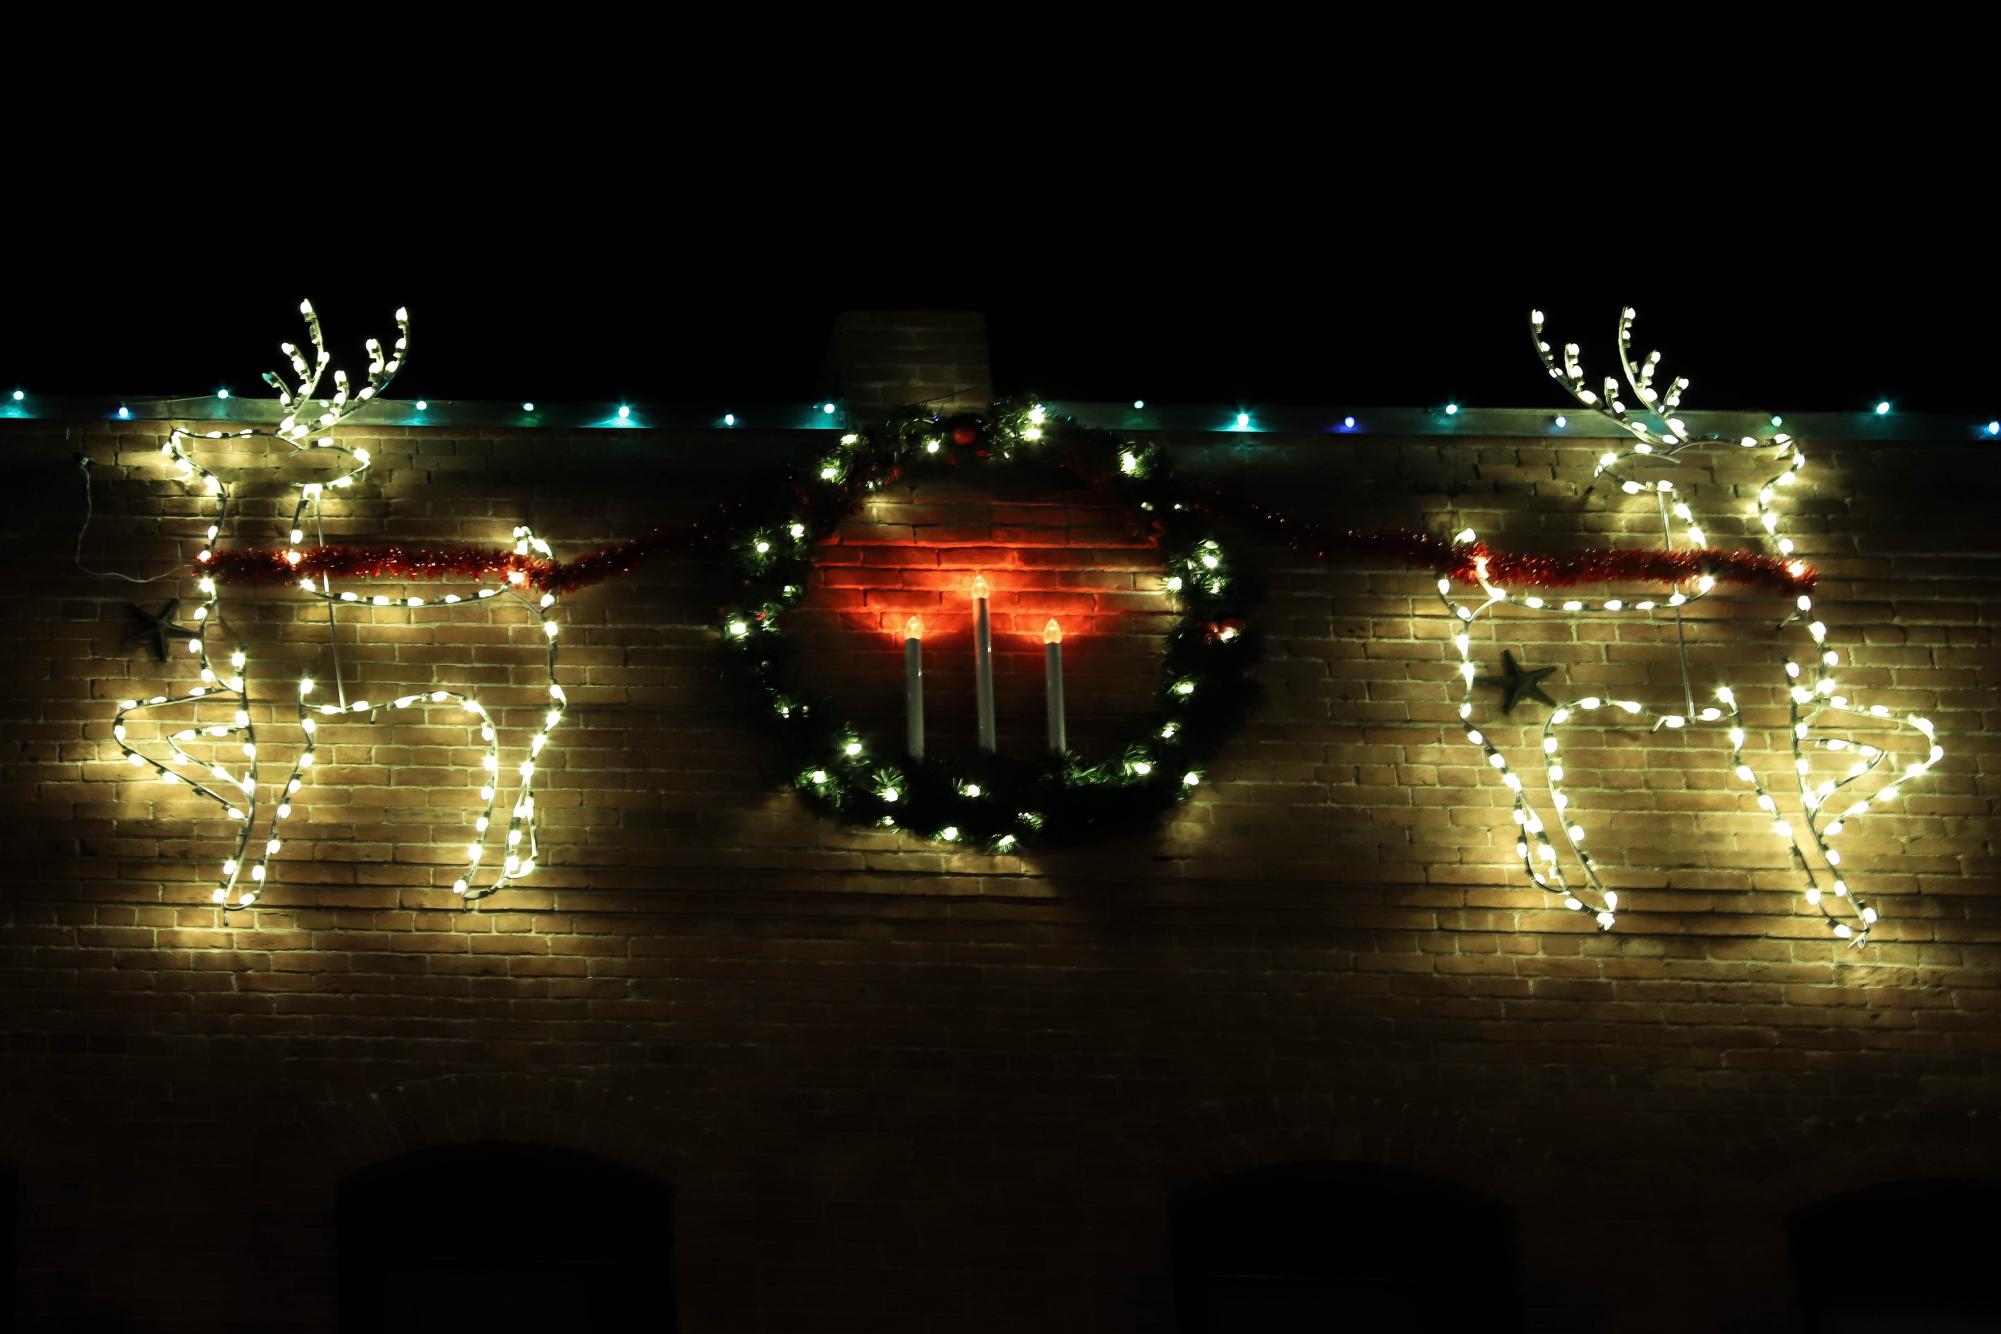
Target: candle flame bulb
[1052,633]
[981,589]
[914,628]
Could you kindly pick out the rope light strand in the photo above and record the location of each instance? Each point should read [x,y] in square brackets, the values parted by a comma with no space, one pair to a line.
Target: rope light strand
[1812,694]
[306,427]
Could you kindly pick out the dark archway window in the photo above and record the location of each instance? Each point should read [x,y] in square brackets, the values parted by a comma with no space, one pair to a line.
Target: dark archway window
[505,1237]
[1342,1247]
[1912,1257]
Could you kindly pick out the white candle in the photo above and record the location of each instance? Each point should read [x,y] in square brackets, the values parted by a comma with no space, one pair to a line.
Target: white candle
[1052,653]
[913,687]
[983,662]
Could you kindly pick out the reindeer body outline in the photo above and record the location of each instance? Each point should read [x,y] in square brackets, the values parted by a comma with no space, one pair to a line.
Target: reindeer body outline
[1666,444]
[242,803]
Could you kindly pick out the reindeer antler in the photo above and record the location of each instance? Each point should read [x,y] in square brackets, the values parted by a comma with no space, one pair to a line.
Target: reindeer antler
[1569,372]
[1642,382]
[380,372]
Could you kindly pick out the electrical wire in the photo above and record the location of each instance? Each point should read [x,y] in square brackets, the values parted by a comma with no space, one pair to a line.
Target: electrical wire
[83,465]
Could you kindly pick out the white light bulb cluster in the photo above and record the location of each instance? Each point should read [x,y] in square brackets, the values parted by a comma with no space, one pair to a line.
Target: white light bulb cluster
[239,793]
[1812,691]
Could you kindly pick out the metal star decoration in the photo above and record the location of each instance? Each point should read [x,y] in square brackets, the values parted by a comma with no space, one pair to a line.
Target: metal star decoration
[1516,683]
[159,627]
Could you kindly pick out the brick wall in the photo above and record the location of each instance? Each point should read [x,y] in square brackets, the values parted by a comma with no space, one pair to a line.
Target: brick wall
[888,359]
[900,1089]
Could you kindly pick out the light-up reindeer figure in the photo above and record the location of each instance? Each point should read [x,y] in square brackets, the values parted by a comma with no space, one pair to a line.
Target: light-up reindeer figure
[304,429]
[1661,439]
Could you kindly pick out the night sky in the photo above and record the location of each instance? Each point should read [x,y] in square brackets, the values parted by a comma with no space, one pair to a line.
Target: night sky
[1229,305]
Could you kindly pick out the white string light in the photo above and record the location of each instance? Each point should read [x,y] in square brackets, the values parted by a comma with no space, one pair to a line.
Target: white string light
[1812,691]
[246,871]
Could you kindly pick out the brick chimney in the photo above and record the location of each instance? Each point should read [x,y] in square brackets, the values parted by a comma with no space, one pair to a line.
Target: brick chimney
[884,359]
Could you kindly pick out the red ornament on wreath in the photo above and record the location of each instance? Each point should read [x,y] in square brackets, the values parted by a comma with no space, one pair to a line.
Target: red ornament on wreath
[965,433]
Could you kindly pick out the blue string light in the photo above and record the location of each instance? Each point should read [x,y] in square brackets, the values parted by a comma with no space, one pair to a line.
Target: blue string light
[1242,421]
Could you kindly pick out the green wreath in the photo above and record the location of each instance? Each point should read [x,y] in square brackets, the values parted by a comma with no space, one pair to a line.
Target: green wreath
[989,800]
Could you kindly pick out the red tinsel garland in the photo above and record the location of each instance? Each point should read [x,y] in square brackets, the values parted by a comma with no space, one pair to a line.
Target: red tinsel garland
[269,565]
[1515,569]
[1421,551]
[1522,569]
